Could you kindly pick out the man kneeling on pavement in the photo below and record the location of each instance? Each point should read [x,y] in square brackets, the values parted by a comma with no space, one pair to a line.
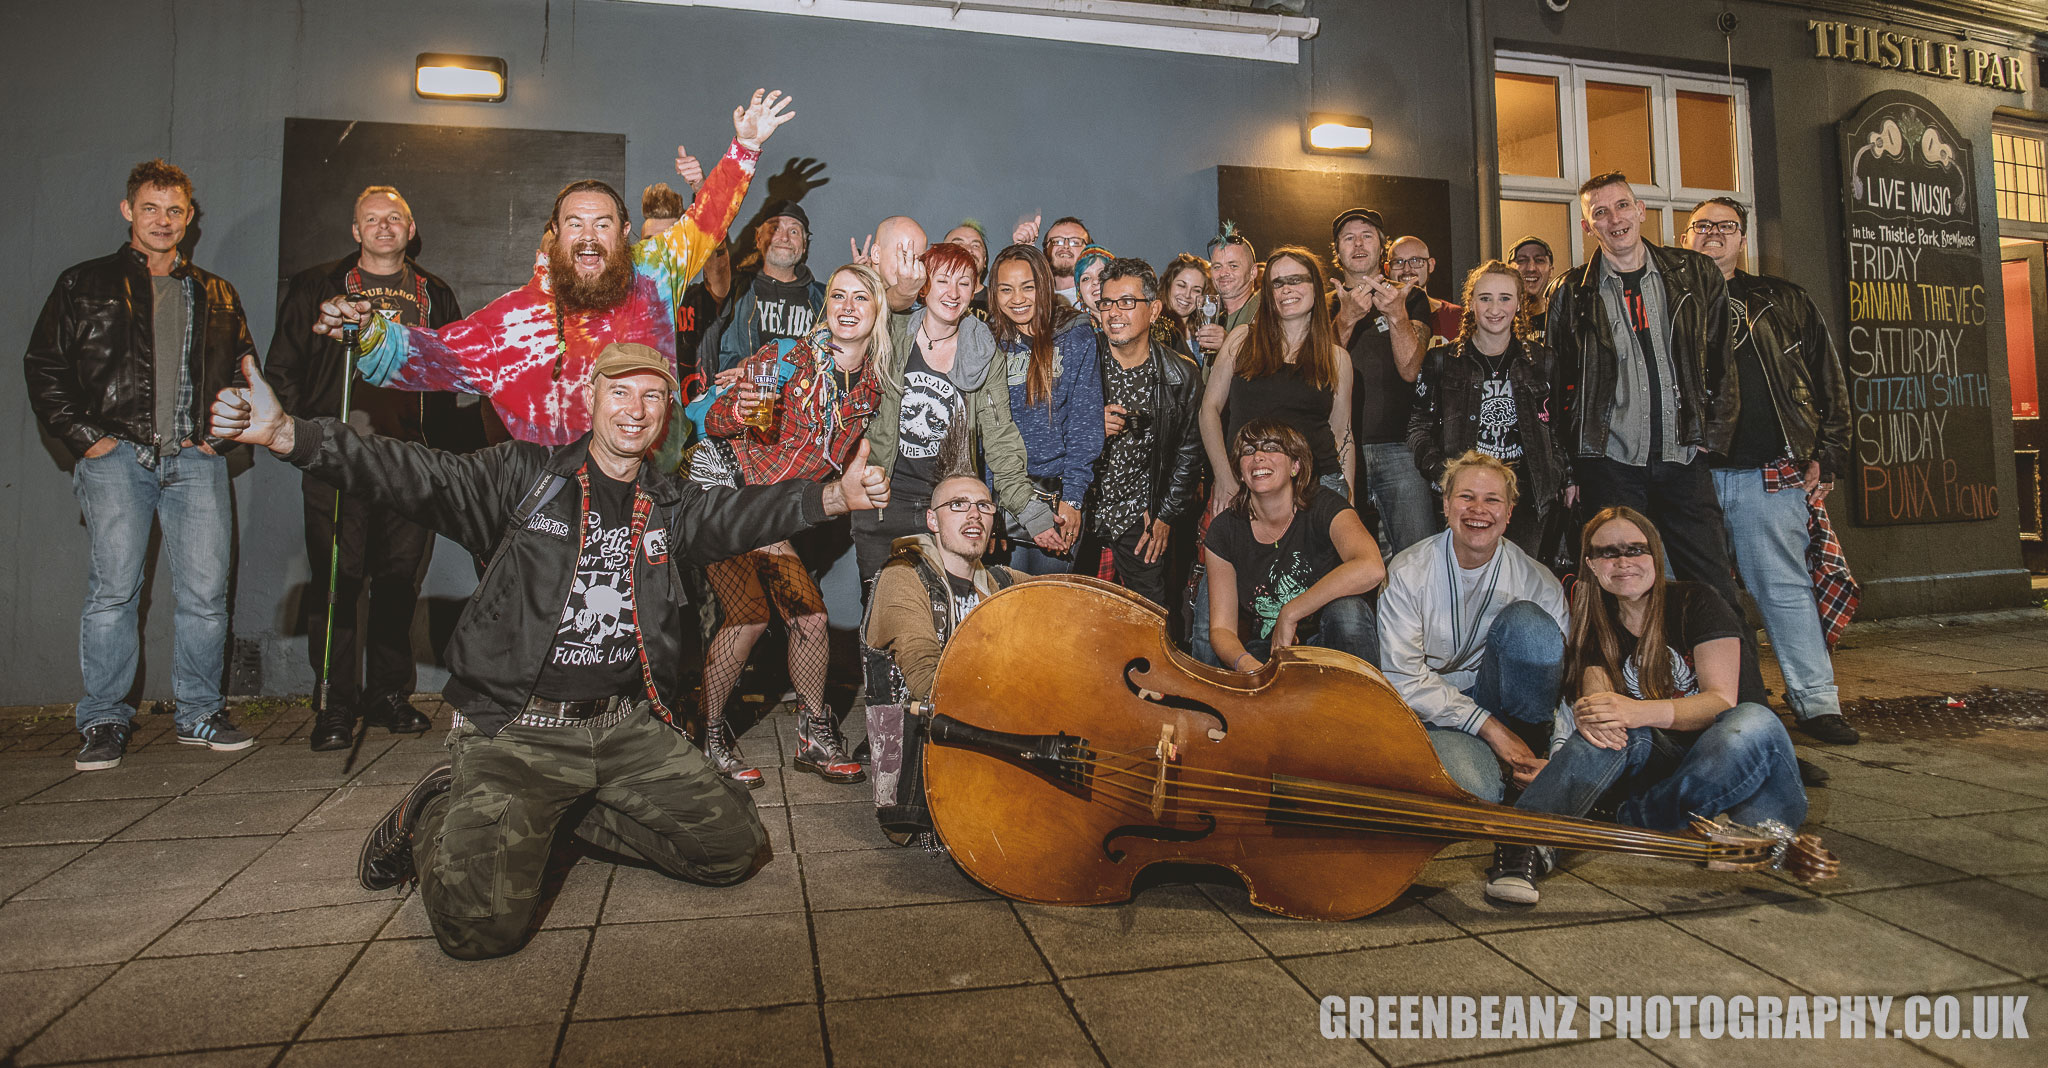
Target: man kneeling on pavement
[564,667]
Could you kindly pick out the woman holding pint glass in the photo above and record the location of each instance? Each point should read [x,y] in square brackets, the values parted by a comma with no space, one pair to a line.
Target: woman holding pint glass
[798,411]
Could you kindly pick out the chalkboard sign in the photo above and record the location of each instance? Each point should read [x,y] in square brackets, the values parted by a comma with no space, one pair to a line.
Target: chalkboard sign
[1917,344]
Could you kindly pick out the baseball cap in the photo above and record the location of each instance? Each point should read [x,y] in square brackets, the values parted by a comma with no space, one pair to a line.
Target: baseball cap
[790,208]
[621,358]
[1367,214]
[1532,239]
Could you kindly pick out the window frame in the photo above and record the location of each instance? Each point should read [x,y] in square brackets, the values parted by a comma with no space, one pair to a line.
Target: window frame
[2007,226]
[1666,197]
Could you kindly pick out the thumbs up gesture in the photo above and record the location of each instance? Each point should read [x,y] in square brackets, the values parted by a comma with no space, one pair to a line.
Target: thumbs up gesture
[251,413]
[863,488]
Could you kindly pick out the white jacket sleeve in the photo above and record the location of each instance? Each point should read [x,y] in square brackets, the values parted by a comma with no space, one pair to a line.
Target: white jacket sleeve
[1403,619]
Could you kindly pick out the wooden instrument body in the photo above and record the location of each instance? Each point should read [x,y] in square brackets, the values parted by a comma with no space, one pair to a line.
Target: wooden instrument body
[1025,661]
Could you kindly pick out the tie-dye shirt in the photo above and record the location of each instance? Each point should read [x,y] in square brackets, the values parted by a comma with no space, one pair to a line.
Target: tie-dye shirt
[511,352]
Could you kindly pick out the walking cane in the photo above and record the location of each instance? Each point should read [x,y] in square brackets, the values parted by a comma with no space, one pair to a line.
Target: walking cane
[348,378]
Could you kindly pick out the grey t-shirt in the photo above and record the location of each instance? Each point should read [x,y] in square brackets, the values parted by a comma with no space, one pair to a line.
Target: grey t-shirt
[168,343]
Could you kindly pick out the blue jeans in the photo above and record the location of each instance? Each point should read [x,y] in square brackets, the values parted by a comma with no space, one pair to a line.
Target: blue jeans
[121,500]
[1770,551]
[1027,558]
[1347,624]
[1741,765]
[1520,672]
[1408,507]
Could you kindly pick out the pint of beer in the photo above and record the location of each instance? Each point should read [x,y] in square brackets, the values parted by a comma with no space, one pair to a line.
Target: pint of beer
[763,415]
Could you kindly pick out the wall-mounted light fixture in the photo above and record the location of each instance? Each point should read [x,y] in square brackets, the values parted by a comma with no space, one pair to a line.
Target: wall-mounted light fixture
[1328,132]
[447,76]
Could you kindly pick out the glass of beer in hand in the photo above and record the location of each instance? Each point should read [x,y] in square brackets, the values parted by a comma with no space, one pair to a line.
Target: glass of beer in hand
[762,417]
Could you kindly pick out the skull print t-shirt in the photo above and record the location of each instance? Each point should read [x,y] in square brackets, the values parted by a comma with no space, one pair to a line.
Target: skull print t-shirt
[596,652]
[930,404]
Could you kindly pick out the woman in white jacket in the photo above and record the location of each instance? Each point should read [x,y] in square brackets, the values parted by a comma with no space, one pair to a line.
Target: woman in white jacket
[1472,635]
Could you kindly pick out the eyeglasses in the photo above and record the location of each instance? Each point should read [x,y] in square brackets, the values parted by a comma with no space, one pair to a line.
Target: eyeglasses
[962,504]
[1292,280]
[1065,242]
[1725,228]
[1615,552]
[1253,448]
[1126,303]
[1412,261]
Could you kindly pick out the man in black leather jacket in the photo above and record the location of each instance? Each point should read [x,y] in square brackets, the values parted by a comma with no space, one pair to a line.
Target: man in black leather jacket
[1641,337]
[377,548]
[564,666]
[1148,478]
[129,350]
[1790,439]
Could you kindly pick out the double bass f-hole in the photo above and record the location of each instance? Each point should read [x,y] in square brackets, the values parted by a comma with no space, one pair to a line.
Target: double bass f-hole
[1139,665]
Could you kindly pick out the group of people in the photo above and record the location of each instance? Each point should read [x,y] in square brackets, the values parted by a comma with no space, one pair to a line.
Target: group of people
[1287,450]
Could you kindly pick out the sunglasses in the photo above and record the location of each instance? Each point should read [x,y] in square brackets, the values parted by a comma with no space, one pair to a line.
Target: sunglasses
[1253,448]
[1615,552]
[962,504]
[1291,280]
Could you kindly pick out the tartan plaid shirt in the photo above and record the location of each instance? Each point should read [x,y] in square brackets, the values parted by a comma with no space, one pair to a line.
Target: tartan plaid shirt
[183,425]
[817,426]
[1835,591]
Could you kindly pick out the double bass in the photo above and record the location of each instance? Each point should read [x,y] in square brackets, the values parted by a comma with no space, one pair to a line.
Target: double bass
[1072,746]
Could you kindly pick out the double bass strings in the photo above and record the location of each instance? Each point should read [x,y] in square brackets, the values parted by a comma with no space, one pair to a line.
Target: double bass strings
[1399,814]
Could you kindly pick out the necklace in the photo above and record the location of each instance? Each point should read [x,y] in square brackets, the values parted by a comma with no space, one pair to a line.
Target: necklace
[929,340]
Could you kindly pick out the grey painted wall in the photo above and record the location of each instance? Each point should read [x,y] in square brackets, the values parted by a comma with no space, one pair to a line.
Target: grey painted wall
[937,124]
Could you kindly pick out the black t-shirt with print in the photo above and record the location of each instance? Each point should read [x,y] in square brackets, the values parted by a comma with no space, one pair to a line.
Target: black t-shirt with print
[1639,321]
[1693,615]
[930,404]
[1123,485]
[1500,424]
[1271,574]
[597,652]
[782,310]
[372,409]
[1380,397]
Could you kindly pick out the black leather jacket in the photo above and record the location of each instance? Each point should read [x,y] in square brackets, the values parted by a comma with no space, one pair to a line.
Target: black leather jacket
[1578,332]
[1444,420]
[1809,387]
[1178,461]
[305,368]
[504,634]
[91,363]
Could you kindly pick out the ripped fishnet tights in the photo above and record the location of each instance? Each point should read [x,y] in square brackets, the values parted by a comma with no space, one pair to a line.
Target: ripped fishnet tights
[747,586]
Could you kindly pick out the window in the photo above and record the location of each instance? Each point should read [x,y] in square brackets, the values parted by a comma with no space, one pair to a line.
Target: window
[2020,169]
[1679,138]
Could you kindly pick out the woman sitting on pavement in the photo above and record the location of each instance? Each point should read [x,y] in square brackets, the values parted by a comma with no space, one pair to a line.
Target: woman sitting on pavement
[1490,390]
[1289,562]
[1049,353]
[826,393]
[1655,664]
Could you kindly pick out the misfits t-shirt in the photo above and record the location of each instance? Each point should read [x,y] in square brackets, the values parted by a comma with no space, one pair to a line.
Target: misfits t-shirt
[929,408]
[596,652]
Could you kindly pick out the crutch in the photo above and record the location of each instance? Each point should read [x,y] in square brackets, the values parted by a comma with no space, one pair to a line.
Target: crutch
[348,379]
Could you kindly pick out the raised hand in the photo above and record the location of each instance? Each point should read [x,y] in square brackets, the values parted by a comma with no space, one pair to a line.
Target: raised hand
[337,314]
[692,172]
[864,251]
[251,413]
[754,122]
[1026,232]
[1389,299]
[863,488]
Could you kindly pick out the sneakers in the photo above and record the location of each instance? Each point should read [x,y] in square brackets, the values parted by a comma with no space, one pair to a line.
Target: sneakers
[386,860]
[1515,871]
[821,751]
[333,728]
[216,733]
[396,714]
[1829,727]
[105,745]
[723,751]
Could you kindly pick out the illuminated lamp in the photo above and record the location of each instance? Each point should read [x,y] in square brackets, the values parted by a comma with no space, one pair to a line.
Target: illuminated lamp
[446,76]
[1339,133]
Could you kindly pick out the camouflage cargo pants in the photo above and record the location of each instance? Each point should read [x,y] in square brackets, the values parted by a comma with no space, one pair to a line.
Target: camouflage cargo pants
[642,791]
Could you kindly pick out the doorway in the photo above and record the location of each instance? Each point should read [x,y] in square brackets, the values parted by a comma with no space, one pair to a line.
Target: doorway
[2020,152]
